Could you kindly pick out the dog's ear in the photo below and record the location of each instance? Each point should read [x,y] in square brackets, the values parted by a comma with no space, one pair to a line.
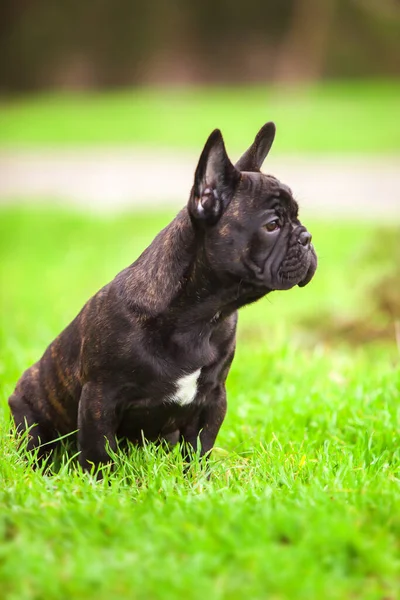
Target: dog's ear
[215,181]
[254,157]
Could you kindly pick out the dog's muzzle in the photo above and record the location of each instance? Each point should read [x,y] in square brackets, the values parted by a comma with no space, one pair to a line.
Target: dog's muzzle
[311,269]
[300,261]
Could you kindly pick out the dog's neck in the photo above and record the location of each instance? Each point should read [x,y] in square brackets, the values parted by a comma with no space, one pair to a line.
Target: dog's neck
[173,279]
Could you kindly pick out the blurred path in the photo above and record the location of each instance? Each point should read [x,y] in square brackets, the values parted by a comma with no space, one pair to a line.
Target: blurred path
[113,179]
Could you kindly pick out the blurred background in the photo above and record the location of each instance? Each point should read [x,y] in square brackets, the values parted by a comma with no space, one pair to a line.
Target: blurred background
[105,107]
[95,98]
[51,44]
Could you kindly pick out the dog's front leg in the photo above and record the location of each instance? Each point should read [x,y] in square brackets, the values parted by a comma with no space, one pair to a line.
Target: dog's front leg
[97,423]
[205,427]
[212,418]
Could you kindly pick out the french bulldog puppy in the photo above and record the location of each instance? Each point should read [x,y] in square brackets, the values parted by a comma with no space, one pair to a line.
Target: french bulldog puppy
[147,357]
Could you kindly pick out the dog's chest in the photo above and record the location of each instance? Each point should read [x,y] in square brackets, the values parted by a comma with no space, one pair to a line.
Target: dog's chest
[185,389]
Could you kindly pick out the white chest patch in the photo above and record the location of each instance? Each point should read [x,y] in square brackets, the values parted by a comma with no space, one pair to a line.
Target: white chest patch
[186,389]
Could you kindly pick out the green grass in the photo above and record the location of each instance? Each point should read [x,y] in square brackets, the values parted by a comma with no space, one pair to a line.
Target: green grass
[303,501]
[332,117]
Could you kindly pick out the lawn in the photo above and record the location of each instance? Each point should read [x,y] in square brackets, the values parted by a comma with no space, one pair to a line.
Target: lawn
[357,117]
[303,501]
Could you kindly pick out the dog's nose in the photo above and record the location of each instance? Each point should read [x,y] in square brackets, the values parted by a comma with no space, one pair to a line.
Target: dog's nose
[305,238]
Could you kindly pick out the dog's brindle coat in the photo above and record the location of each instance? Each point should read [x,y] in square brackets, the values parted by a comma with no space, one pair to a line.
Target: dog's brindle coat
[148,355]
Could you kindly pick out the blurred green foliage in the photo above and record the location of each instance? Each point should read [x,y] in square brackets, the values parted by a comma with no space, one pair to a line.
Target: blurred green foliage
[335,117]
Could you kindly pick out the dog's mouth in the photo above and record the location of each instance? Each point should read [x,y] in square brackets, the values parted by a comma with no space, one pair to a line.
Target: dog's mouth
[311,269]
[297,270]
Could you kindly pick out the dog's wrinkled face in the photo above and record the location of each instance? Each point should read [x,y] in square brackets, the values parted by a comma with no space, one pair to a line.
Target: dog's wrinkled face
[260,238]
[250,220]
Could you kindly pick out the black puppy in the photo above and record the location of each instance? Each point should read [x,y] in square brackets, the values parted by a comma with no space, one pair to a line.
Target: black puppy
[148,355]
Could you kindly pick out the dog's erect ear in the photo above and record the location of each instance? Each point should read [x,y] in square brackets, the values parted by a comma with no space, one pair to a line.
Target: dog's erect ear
[214,181]
[254,157]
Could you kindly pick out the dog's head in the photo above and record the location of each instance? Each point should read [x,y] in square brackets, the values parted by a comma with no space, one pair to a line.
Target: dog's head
[249,221]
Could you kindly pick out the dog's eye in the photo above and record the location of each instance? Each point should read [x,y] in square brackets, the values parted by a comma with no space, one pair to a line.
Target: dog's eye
[272,225]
